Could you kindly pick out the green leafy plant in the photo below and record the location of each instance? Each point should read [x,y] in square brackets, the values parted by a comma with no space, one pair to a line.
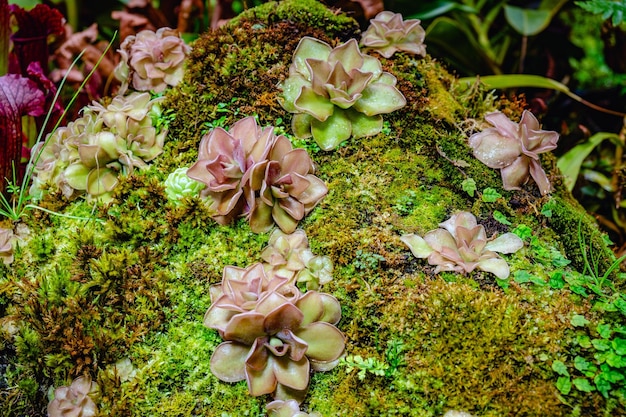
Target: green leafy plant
[394,359]
[464,30]
[601,364]
[609,9]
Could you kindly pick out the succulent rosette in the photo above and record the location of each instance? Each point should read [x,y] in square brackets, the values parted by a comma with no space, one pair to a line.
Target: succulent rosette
[288,189]
[289,256]
[75,400]
[249,171]
[152,61]
[274,346]
[461,245]
[90,153]
[240,290]
[514,148]
[337,93]
[178,185]
[224,158]
[389,33]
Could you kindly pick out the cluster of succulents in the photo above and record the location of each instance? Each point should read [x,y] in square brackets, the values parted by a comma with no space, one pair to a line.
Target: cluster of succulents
[289,256]
[514,148]
[274,333]
[90,153]
[388,33]
[6,245]
[152,61]
[339,93]
[76,400]
[461,245]
[249,171]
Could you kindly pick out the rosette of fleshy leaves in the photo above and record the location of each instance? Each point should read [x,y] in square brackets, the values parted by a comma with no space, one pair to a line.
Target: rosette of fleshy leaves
[152,61]
[289,408]
[249,171]
[514,148]
[339,93]
[274,335]
[285,187]
[6,245]
[389,33]
[461,245]
[178,185]
[91,152]
[289,256]
[77,400]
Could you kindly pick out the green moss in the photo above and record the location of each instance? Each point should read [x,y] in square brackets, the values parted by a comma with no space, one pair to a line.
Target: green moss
[86,294]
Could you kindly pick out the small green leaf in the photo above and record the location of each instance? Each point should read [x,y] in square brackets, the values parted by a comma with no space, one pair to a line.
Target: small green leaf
[604,330]
[500,217]
[564,385]
[490,195]
[527,22]
[556,280]
[579,321]
[583,341]
[616,361]
[584,366]
[600,344]
[583,385]
[610,374]
[619,345]
[560,368]
[469,186]
[602,385]
[523,232]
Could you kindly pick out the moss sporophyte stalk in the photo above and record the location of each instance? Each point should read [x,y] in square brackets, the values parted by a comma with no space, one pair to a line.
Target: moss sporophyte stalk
[264,197]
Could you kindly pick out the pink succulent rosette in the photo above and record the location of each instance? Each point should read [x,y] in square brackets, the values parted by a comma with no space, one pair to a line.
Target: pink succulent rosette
[273,333]
[75,400]
[514,148]
[152,61]
[461,245]
[388,33]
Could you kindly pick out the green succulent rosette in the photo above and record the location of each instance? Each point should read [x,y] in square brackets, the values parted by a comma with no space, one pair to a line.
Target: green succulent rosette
[339,93]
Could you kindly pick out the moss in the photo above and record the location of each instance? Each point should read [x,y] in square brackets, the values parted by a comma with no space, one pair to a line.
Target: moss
[136,285]
[570,220]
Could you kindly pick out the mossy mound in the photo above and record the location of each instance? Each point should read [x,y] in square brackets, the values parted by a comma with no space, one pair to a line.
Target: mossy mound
[133,282]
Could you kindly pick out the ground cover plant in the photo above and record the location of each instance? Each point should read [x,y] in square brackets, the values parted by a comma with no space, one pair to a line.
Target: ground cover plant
[233,267]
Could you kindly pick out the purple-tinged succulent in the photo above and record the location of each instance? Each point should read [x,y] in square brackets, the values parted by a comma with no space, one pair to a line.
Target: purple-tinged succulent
[240,291]
[6,245]
[389,33]
[461,245]
[224,159]
[514,149]
[339,93]
[152,61]
[287,188]
[289,408]
[75,400]
[275,345]
[289,256]
[250,171]
[283,253]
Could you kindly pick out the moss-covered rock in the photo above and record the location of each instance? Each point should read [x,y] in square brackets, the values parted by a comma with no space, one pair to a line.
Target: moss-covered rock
[131,279]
